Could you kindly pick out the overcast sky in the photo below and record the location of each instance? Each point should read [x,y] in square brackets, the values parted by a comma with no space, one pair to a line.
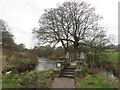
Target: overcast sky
[23,15]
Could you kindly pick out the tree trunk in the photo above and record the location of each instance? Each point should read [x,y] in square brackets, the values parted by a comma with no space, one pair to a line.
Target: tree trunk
[76,54]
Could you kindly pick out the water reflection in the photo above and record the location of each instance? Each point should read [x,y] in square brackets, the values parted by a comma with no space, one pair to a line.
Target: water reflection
[45,64]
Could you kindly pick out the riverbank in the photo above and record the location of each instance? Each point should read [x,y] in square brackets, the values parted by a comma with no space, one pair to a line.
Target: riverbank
[33,79]
[18,61]
[95,81]
[44,79]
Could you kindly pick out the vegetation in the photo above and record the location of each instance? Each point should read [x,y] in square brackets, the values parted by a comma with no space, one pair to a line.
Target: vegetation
[113,57]
[15,57]
[95,81]
[71,23]
[49,52]
[7,36]
[76,26]
[33,79]
[18,61]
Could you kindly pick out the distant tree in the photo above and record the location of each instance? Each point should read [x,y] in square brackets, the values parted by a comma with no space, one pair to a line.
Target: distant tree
[7,37]
[43,51]
[21,47]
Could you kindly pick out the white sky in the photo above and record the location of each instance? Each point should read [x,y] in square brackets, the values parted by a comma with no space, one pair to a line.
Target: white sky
[23,15]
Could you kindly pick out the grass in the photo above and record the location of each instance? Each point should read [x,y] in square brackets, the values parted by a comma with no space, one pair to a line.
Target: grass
[110,50]
[110,55]
[113,57]
[95,81]
[33,79]
[23,60]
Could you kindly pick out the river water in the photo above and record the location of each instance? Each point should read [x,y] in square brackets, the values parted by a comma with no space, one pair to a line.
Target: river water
[107,73]
[45,64]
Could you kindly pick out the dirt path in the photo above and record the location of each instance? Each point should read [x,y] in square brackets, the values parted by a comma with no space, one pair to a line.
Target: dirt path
[63,83]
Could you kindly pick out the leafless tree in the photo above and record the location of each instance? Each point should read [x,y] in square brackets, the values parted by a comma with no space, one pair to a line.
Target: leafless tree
[96,42]
[71,23]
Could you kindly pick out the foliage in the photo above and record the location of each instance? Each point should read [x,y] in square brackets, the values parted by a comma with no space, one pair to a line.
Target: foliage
[43,51]
[18,61]
[49,52]
[58,52]
[95,81]
[14,56]
[33,79]
[7,36]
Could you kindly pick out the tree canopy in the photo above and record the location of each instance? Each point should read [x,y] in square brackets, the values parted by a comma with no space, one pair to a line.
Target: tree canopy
[7,40]
[71,23]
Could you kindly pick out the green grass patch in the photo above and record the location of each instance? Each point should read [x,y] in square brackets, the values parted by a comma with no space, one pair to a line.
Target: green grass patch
[110,50]
[33,79]
[23,60]
[113,57]
[95,81]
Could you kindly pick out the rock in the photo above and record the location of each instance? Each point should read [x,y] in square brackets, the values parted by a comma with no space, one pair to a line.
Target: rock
[8,72]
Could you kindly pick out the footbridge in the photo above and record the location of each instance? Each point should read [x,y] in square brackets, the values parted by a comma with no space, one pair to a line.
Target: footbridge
[66,67]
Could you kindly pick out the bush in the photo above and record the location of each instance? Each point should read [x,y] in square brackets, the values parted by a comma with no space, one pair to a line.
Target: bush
[19,61]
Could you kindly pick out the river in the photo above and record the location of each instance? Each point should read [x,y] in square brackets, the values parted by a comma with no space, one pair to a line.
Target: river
[107,73]
[45,64]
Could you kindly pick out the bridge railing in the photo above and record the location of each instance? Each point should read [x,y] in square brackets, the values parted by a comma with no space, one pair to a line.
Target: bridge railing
[65,61]
[60,65]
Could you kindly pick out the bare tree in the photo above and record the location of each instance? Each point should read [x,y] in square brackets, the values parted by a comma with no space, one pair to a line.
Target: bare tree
[71,23]
[96,42]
